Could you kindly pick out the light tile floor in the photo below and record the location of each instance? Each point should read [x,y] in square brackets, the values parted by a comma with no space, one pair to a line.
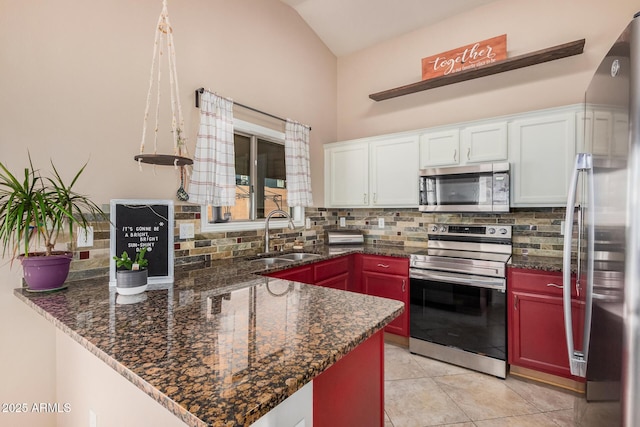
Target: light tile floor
[422,392]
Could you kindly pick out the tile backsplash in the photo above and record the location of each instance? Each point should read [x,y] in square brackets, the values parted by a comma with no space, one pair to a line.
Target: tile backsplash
[535,230]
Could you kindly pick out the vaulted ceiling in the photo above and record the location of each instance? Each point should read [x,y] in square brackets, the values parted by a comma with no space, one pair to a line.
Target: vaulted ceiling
[346,26]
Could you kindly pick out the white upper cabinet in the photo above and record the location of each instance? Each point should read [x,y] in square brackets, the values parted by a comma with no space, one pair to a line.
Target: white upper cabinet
[394,172]
[485,142]
[347,175]
[542,149]
[380,172]
[440,148]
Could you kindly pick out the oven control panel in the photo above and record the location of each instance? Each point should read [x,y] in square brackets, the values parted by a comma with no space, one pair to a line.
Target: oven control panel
[494,230]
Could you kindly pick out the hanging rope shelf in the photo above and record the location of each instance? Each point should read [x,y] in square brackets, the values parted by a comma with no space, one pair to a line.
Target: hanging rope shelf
[163,42]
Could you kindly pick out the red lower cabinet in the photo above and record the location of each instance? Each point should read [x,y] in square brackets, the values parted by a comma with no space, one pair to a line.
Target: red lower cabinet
[340,281]
[537,338]
[389,278]
[351,392]
[381,276]
[303,274]
[333,273]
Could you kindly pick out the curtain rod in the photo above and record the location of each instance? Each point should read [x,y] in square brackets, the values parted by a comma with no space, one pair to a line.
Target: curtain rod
[201,90]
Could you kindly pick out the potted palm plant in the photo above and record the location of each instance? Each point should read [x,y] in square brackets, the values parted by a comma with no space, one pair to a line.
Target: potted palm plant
[36,210]
[131,276]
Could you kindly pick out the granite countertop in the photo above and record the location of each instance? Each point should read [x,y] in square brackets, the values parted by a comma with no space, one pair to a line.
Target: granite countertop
[543,263]
[222,346]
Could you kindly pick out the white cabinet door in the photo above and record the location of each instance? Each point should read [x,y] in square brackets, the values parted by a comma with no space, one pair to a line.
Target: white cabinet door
[542,151]
[347,175]
[440,148]
[394,172]
[485,143]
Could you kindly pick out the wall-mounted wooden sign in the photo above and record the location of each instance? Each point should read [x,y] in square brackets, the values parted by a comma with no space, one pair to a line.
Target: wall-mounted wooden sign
[143,223]
[466,57]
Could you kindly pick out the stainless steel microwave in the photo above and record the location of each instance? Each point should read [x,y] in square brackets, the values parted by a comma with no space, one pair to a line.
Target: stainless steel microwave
[475,188]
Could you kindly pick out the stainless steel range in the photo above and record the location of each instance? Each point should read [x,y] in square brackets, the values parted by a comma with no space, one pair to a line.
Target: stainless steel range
[458,296]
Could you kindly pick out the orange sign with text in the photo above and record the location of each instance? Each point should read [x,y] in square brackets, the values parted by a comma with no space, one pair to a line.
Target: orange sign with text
[465,58]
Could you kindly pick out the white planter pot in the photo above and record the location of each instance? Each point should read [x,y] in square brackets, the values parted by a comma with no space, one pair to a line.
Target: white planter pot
[131,282]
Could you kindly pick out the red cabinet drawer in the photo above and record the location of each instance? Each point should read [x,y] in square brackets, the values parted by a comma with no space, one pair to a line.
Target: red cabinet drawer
[539,282]
[386,265]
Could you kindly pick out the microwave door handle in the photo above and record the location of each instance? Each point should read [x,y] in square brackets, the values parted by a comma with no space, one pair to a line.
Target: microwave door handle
[576,359]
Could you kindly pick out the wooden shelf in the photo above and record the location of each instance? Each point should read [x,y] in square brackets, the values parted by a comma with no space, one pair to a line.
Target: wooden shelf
[545,55]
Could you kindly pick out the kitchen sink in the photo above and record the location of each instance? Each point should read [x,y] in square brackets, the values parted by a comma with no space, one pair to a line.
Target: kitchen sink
[298,256]
[271,261]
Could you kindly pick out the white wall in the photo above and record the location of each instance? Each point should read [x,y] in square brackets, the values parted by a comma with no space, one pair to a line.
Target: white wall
[27,356]
[74,76]
[529,25]
[90,385]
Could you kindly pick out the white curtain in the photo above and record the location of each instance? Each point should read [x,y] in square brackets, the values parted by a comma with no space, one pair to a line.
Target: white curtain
[213,181]
[296,151]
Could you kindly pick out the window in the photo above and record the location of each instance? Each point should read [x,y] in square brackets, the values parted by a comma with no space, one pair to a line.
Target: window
[261,182]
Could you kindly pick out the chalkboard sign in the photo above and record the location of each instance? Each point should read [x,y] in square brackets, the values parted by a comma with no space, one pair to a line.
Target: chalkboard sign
[143,223]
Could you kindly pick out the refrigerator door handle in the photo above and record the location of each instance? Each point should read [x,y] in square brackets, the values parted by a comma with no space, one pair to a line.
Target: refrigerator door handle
[577,359]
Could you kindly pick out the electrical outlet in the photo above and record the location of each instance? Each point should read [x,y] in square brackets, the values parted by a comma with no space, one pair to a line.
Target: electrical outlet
[85,237]
[562,228]
[187,231]
[380,222]
[307,223]
[343,222]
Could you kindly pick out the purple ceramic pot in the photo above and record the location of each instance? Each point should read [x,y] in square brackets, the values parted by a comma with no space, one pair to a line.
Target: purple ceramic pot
[45,273]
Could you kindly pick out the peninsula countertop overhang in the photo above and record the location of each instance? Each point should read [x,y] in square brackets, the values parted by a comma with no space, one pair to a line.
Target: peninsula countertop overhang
[219,346]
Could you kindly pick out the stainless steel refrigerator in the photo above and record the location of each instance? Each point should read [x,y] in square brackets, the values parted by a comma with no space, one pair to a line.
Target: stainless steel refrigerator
[602,240]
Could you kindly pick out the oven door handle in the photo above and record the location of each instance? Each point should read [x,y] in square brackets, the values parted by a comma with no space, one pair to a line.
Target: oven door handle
[460,279]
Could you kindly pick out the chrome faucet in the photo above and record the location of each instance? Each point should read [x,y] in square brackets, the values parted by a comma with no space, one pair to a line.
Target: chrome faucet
[266,226]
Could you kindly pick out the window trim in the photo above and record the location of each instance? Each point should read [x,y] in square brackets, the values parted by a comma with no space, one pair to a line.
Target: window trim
[298,211]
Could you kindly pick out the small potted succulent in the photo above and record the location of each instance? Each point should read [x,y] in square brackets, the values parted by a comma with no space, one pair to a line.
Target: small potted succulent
[34,211]
[131,274]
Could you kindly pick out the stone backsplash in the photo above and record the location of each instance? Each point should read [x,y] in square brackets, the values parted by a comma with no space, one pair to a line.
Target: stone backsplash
[536,231]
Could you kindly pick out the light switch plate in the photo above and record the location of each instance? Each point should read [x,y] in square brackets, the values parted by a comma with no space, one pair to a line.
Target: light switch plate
[85,237]
[380,222]
[343,222]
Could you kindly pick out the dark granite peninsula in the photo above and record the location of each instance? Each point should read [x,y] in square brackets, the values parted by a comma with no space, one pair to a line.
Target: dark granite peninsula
[222,347]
